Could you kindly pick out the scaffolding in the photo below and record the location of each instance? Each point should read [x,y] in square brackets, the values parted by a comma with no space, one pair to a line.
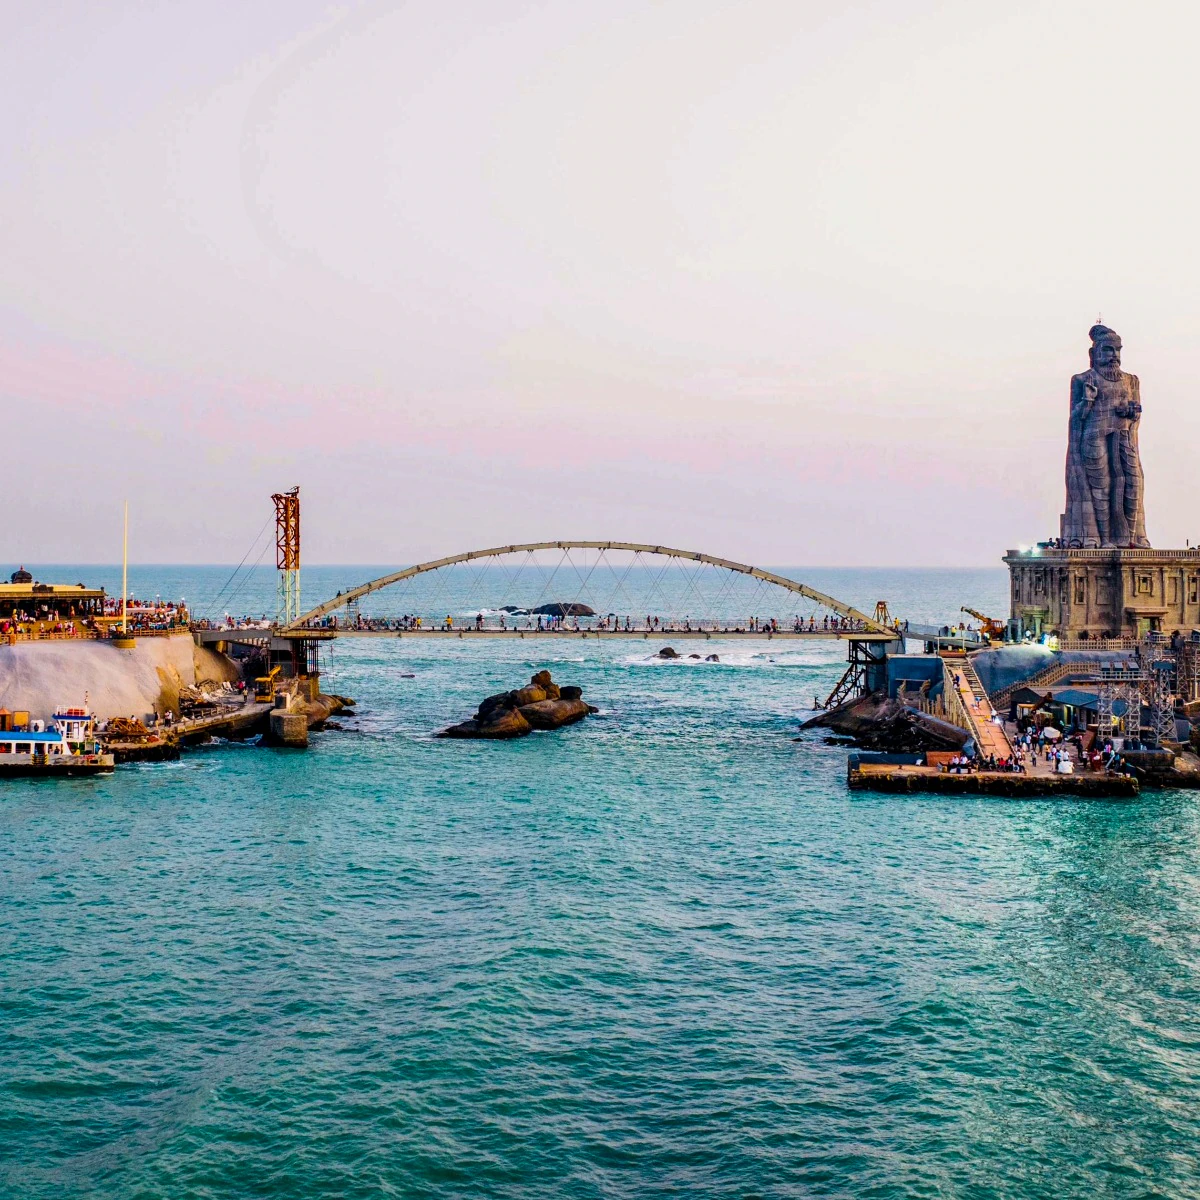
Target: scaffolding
[287,553]
[1108,721]
[1188,658]
[1162,709]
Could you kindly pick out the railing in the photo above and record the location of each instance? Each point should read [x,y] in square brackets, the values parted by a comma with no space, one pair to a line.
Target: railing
[12,636]
[956,710]
[1112,643]
[143,633]
[1046,677]
[1112,554]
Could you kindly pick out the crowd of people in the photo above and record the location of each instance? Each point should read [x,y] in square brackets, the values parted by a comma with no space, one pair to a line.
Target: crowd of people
[48,622]
[568,623]
[144,615]
[1039,742]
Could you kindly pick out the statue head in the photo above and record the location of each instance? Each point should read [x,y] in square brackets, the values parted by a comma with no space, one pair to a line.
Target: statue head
[1105,354]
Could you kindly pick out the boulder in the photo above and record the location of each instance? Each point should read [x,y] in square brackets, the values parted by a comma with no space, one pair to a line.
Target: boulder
[693,656]
[552,690]
[540,679]
[570,692]
[560,608]
[713,658]
[528,695]
[500,700]
[554,714]
[500,724]
[668,652]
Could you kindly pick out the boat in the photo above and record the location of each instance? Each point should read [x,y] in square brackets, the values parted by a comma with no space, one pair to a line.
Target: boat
[69,748]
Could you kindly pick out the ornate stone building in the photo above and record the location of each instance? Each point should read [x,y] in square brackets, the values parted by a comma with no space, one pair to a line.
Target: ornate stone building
[1101,578]
[1104,593]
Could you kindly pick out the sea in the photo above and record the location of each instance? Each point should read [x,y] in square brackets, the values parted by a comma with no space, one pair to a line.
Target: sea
[664,952]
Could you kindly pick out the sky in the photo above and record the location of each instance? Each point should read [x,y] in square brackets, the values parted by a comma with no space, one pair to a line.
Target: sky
[784,282]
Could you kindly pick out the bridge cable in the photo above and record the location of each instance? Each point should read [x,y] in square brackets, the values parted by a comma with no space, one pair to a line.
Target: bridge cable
[246,578]
[216,599]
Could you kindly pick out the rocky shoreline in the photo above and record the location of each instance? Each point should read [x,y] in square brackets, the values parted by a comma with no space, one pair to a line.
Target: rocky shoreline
[877,723]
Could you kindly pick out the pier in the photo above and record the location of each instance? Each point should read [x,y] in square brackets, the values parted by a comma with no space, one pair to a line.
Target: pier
[165,742]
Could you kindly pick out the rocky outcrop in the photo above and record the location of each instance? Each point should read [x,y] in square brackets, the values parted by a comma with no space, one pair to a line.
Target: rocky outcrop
[668,652]
[211,667]
[563,608]
[877,723]
[497,724]
[554,714]
[541,704]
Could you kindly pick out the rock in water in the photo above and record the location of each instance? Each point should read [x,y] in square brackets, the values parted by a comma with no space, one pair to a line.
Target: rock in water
[500,724]
[541,704]
[562,608]
[668,652]
[500,700]
[554,714]
[713,658]
[542,680]
[877,723]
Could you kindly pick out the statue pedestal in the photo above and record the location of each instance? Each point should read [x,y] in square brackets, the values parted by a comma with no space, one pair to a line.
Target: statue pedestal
[1090,594]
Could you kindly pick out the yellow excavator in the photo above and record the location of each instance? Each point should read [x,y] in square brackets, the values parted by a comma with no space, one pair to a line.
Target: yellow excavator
[264,687]
[992,629]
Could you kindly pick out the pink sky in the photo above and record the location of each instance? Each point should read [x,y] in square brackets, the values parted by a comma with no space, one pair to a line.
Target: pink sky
[788,282]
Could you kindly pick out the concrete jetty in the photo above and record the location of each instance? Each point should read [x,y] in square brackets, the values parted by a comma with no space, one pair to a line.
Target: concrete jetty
[165,743]
[905,773]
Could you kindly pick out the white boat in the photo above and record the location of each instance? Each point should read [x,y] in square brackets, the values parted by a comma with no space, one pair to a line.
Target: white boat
[70,747]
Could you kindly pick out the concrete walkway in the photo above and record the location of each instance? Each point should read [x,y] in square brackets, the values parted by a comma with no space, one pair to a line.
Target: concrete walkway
[990,737]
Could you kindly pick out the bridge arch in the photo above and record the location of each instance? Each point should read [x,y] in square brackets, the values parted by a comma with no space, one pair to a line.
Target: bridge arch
[864,622]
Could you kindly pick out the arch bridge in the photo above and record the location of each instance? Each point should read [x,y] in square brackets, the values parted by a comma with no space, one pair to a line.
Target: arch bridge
[592,588]
[585,589]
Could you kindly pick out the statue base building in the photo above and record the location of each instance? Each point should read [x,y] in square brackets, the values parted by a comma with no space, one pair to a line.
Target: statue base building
[1087,595]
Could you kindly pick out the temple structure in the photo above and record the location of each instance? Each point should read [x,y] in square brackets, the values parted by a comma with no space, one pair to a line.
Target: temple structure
[1100,579]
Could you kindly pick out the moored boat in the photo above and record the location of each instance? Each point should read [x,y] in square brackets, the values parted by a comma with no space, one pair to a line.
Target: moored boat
[68,748]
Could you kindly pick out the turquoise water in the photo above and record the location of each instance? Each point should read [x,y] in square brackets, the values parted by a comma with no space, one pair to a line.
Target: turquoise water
[661,953]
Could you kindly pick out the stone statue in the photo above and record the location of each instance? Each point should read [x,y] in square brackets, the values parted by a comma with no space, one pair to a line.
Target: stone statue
[1104,473]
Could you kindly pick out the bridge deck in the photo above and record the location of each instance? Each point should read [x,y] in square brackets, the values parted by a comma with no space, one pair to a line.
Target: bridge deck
[839,635]
[209,636]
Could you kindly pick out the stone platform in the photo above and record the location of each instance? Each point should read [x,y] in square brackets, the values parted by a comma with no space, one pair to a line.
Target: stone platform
[865,773]
[1090,594]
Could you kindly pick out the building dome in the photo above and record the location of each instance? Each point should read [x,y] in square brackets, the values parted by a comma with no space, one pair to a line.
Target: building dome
[21,576]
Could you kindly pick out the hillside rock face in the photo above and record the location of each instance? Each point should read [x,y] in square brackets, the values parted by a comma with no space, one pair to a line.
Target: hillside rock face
[541,704]
[38,677]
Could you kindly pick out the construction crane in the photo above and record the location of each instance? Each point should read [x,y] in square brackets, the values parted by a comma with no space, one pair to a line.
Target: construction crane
[993,629]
